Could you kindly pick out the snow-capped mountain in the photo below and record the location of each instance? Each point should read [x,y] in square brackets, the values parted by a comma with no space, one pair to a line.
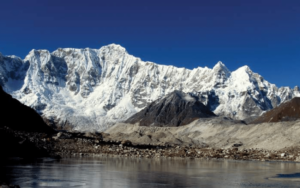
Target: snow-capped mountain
[91,89]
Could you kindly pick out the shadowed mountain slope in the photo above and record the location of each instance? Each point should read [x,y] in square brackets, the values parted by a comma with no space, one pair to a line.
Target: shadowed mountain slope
[17,116]
[287,111]
[22,132]
[176,109]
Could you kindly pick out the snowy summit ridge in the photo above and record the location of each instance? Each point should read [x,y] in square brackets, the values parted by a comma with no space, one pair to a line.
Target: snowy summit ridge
[89,89]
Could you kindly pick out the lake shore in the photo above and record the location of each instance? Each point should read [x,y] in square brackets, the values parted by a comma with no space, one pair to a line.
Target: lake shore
[82,145]
[211,138]
[85,147]
[216,138]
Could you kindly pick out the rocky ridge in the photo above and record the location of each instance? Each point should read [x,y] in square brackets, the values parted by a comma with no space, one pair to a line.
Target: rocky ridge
[23,134]
[17,116]
[91,89]
[175,109]
[287,111]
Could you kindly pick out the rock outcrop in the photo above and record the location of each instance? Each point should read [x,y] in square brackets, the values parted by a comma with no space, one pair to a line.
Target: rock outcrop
[17,116]
[287,111]
[23,133]
[176,109]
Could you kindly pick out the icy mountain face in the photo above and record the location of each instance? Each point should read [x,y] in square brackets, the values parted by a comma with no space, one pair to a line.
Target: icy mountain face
[91,89]
[12,72]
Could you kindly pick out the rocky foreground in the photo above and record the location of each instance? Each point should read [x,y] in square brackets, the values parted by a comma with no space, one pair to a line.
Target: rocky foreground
[69,144]
[66,144]
[93,145]
[22,144]
[5,185]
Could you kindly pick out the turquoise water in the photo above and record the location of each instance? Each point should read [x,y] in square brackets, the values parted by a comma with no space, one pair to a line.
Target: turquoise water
[148,173]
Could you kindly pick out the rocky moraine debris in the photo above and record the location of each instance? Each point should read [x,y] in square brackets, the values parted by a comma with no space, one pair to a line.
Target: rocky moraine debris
[70,144]
[25,144]
[5,185]
[22,144]
[80,144]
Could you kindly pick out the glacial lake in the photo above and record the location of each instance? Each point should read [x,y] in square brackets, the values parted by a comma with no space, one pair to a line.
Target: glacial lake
[112,172]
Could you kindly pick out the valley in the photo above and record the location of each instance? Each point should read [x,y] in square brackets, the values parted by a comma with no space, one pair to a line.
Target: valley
[98,103]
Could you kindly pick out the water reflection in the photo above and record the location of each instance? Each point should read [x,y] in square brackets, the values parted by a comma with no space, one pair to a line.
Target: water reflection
[149,173]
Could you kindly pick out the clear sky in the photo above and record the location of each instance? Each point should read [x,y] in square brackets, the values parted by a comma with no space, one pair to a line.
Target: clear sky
[263,34]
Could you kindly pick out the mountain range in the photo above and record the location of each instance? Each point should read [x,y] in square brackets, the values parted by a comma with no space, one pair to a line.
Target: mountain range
[92,89]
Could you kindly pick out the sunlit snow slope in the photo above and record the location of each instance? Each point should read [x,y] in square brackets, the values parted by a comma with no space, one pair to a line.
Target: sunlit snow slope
[91,89]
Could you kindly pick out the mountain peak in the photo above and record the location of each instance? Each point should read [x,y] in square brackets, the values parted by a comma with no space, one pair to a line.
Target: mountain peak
[244,69]
[220,63]
[221,66]
[34,51]
[176,109]
[183,96]
[222,73]
[114,46]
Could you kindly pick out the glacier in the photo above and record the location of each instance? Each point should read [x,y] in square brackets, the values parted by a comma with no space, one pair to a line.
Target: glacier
[92,89]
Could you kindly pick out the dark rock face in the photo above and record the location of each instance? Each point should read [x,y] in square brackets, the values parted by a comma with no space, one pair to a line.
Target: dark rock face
[23,133]
[21,129]
[176,109]
[24,144]
[17,116]
[287,111]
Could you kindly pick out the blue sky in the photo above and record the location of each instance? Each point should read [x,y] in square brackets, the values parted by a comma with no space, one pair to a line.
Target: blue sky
[263,34]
